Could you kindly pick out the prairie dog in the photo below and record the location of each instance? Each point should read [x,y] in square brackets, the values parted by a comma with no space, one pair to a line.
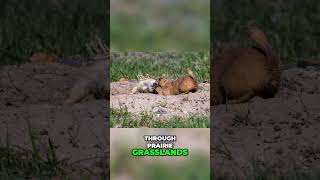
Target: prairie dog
[43,58]
[305,63]
[95,83]
[183,84]
[242,73]
[145,86]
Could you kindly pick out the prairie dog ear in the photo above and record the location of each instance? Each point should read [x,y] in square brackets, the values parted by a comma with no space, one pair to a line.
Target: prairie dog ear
[161,77]
[164,75]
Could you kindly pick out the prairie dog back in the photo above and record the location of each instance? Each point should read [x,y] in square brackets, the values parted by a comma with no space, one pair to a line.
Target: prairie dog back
[95,83]
[241,73]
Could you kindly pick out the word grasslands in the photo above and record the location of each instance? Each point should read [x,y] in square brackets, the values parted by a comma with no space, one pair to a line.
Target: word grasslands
[160,145]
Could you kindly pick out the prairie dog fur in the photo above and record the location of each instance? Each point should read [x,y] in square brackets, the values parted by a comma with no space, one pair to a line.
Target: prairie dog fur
[305,63]
[145,86]
[95,83]
[183,84]
[242,73]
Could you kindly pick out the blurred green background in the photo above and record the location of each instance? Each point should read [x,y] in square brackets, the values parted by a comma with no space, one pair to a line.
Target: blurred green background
[162,25]
[62,27]
[292,26]
[125,167]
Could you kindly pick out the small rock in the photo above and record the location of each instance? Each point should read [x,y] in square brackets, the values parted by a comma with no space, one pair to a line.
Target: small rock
[276,128]
[159,110]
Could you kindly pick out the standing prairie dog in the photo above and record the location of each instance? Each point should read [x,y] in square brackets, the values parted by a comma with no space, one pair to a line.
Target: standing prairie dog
[242,73]
[184,84]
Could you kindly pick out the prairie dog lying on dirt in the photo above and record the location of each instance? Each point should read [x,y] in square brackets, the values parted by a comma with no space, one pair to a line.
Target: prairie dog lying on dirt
[95,83]
[305,63]
[242,73]
[183,84]
[145,86]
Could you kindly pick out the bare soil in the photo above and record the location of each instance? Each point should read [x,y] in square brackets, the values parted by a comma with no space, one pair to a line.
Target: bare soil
[36,93]
[278,135]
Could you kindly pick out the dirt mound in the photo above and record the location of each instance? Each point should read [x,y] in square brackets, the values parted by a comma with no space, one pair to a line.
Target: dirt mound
[36,93]
[160,106]
[278,135]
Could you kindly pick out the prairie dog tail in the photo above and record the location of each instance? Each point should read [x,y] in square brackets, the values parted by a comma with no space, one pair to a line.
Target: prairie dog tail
[191,74]
[272,61]
[260,38]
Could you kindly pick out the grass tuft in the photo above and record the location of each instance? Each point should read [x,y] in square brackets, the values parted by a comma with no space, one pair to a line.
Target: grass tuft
[121,118]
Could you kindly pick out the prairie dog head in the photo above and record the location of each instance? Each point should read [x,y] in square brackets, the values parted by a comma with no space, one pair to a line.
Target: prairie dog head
[145,86]
[162,81]
[151,84]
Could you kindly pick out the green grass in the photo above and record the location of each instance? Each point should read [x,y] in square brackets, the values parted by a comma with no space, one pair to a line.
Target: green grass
[132,67]
[121,118]
[65,28]
[18,162]
[291,26]
[22,163]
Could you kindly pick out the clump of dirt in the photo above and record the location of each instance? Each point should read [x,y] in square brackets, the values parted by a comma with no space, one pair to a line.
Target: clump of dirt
[159,106]
[277,136]
[35,93]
